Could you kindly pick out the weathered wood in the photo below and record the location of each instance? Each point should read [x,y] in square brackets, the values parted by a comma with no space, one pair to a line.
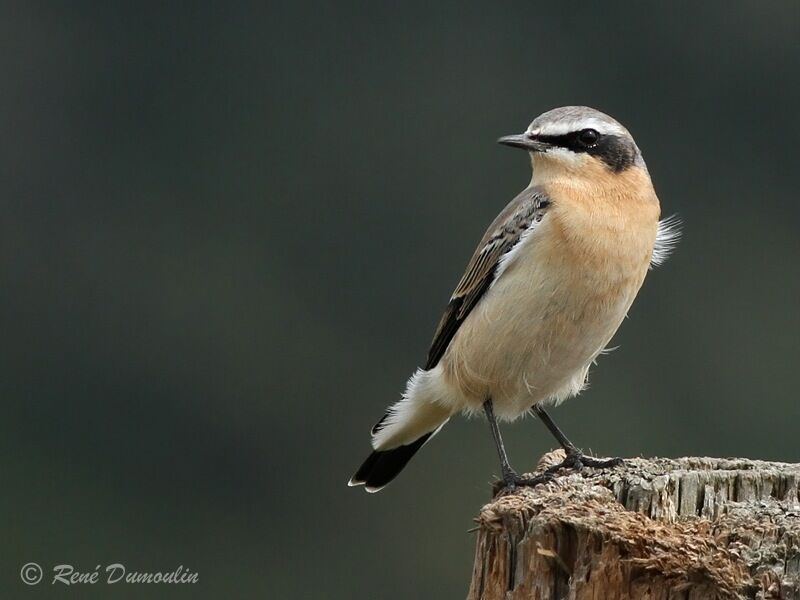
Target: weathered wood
[656,529]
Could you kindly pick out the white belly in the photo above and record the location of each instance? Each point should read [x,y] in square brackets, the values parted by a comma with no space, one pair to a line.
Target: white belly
[537,330]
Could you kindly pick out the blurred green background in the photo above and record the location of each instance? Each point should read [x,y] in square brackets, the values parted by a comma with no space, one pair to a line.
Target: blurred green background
[228,231]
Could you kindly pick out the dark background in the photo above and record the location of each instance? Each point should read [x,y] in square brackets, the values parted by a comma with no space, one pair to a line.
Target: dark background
[229,231]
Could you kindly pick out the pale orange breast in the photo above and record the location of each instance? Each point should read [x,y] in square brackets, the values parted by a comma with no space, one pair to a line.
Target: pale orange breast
[557,306]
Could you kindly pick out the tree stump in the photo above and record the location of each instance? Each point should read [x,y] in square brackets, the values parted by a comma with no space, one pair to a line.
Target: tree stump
[656,529]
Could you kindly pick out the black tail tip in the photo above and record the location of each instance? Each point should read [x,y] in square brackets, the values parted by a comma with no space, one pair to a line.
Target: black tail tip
[382,466]
[361,476]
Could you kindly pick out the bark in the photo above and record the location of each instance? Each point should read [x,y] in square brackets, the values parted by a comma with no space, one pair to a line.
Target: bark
[656,529]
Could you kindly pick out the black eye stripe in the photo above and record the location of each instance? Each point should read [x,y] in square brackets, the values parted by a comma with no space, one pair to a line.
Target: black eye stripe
[570,140]
[617,152]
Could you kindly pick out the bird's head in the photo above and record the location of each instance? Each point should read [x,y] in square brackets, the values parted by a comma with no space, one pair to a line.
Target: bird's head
[575,141]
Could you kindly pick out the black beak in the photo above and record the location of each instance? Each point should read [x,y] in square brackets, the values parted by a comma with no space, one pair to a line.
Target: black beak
[523,140]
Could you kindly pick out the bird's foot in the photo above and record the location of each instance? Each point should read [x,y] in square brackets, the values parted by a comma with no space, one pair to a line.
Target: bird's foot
[577,460]
[512,481]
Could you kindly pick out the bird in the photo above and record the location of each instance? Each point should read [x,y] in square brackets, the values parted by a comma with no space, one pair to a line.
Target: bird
[546,289]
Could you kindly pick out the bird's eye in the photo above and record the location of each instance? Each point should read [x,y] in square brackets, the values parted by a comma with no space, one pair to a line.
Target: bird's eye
[588,137]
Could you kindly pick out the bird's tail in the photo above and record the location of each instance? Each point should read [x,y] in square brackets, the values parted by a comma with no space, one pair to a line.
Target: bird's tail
[403,430]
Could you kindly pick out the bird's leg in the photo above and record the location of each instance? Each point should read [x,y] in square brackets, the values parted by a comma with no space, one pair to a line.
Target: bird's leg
[575,459]
[510,477]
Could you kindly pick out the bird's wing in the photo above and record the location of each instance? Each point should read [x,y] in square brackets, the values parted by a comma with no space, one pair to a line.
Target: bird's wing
[522,214]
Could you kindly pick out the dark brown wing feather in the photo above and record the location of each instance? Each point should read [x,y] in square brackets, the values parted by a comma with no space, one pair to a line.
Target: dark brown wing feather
[503,234]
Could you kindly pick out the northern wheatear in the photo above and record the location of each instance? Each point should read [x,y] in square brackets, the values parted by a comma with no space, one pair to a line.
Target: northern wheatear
[544,292]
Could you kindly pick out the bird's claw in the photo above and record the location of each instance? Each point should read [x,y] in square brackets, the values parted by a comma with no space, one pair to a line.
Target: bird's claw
[577,460]
[512,481]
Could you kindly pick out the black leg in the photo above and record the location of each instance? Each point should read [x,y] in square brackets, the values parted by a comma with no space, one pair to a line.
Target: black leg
[554,429]
[575,458]
[508,472]
[510,477]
